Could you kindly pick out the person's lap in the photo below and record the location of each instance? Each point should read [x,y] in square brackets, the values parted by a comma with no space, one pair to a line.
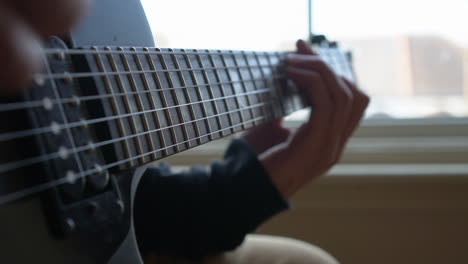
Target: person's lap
[260,249]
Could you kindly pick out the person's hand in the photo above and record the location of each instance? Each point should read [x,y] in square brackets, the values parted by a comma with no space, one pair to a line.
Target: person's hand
[294,158]
[22,25]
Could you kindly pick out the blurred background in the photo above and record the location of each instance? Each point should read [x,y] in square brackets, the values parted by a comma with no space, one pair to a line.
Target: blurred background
[410,56]
[400,192]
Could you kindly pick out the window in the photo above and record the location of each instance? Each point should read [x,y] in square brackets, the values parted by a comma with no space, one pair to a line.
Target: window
[222,24]
[410,56]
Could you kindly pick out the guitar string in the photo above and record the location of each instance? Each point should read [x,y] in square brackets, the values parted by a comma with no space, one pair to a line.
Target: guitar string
[16,134]
[55,76]
[11,197]
[13,106]
[38,103]
[21,105]
[87,74]
[30,161]
[85,122]
[157,51]
[321,51]
[32,190]
[42,158]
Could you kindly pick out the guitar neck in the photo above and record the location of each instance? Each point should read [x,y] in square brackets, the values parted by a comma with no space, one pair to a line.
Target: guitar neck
[164,101]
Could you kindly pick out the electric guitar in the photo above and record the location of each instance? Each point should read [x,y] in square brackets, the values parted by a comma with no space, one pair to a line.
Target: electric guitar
[106,105]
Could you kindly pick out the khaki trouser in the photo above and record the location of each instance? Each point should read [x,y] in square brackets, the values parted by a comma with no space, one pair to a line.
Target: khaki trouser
[260,249]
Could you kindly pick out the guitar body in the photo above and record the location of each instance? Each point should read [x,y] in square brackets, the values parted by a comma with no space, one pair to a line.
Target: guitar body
[114,23]
[107,104]
[26,236]
[25,232]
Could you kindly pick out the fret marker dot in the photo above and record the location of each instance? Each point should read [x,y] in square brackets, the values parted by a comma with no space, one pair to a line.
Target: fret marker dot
[63,153]
[55,128]
[70,177]
[47,102]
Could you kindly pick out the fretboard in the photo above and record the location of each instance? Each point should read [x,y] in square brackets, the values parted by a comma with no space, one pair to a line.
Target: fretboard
[164,101]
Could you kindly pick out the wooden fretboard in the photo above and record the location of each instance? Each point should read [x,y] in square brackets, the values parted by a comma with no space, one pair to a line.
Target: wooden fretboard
[169,100]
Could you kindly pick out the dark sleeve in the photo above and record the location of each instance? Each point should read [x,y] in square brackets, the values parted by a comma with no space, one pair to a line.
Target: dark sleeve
[205,210]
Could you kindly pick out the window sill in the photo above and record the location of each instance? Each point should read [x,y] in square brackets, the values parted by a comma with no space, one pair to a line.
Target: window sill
[390,144]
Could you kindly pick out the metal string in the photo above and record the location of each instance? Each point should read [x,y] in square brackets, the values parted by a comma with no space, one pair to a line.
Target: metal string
[37,131]
[78,75]
[157,51]
[21,105]
[30,161]
[38,103]
[17,195]
[45,186]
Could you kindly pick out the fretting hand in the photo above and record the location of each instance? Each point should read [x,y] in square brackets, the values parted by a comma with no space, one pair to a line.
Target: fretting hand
[294,158]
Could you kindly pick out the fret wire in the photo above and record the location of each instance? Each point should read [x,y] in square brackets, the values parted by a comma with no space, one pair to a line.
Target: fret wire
[175,98]
[40,103]
[37,131]
[150,98]
[162,95]
[267,84]
[242,83]
[210,90]
[187,96]
[254,84]
[277,87]
[45,186]
[199,94]
[139,102]
[223,94]
[122,161]
[27,162]
[88,74]
[228,73]
[113,101]
[126,103]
